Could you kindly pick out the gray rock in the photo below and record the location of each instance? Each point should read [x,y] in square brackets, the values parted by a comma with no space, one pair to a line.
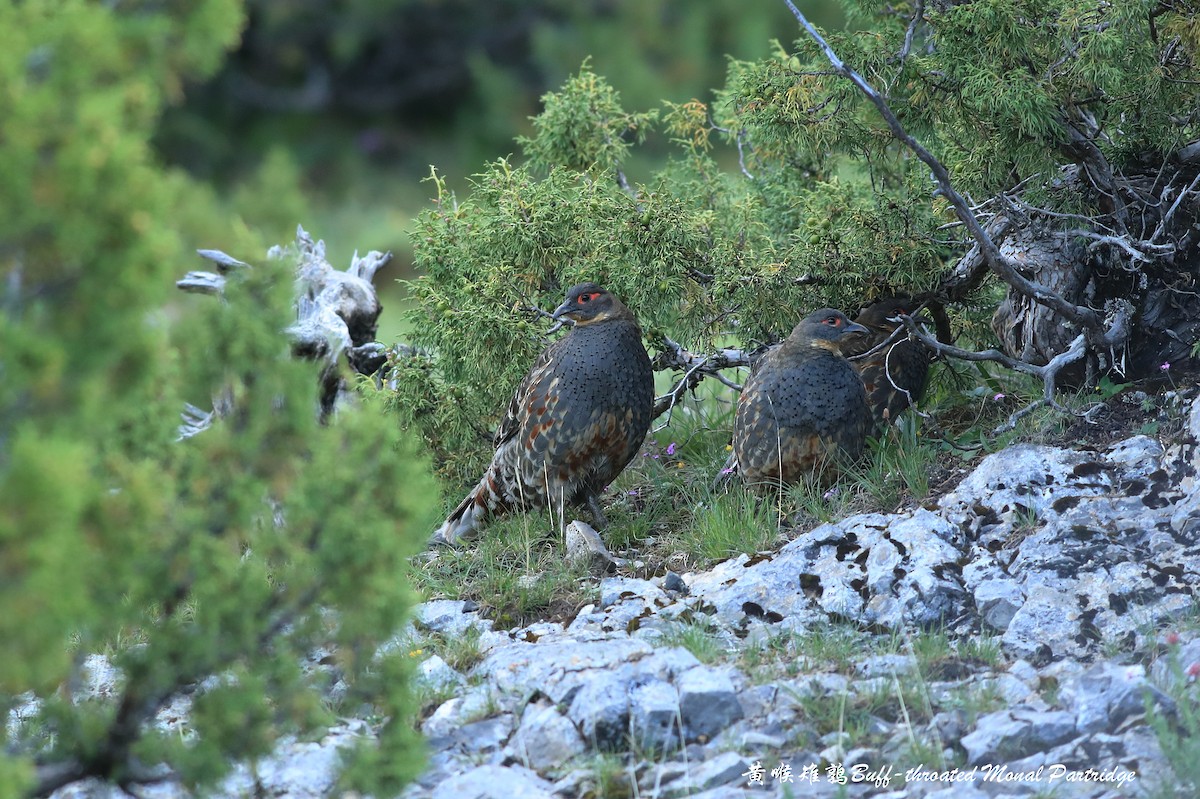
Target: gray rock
[487,735]
[545,739]
[453,617]
[908,565]
[556,668]
[654,717]
[584,544]
[101,679]
[457,711]
[438,674]
[885,665]
[303,769]
[959,791]
[673,582]
[1024,479]
[998,601]
[496,782]
[600,710]
[708,702]
[1045,626]
[721,770]
[618,589]
[1137,456]
[1107,694]
[1007,735]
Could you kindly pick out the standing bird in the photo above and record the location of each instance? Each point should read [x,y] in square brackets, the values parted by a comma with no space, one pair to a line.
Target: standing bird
[895,375]
[575,421]
[802,404]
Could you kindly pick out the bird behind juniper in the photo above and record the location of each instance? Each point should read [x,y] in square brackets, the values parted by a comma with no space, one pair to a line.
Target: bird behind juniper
[894,376]
[573,424]
[803,406]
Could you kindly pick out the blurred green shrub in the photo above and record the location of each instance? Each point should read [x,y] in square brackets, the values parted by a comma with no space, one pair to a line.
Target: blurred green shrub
[224,559]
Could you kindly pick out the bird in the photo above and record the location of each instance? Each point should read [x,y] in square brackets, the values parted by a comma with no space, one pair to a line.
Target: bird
[803,405]
[574,423]
[895,375]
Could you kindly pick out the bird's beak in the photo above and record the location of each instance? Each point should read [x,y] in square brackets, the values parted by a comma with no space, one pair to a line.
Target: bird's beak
[562,310]
[854,327]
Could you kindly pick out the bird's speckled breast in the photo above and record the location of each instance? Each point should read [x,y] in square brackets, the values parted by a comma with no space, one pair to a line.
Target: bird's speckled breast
[603,390]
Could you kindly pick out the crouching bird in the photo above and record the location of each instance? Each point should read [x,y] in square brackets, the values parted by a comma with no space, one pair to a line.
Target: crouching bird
[895,375]
[574,423]
[803,405]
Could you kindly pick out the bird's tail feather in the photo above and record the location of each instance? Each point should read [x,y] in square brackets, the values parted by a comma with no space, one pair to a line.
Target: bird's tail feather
[464,521]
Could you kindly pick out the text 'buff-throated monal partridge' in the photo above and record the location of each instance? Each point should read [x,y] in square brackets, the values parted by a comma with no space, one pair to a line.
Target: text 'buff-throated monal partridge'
[575,421]
[803,405]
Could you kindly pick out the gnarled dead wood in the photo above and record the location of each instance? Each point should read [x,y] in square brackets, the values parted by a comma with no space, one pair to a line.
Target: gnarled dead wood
[337,313]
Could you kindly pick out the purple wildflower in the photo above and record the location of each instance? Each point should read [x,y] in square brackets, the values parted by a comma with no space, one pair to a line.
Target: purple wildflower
[1166,366]
[671,448]
[998,397]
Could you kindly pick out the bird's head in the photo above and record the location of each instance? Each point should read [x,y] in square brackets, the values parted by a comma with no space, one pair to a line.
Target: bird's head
[588,303]
[825,328]
[884,316]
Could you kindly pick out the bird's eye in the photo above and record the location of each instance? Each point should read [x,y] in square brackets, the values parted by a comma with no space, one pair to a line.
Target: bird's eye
[833,321]
[584,297]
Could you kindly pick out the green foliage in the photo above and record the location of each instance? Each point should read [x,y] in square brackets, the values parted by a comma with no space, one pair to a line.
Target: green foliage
[1178,733]
[212,565]
[584,126]
[690,251]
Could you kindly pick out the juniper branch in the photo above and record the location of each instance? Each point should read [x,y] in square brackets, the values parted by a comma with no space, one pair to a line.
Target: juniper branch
[1003,267]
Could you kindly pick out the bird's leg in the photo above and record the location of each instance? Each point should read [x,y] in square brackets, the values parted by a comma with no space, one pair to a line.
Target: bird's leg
[593,505]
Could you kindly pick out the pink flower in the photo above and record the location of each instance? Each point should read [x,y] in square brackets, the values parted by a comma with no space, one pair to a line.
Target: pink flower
[727,471]
[1193,671]
[1171,638]
[1165,367]
[998,397]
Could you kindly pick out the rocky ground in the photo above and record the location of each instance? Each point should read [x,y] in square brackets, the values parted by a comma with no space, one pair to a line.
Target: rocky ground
[1015,636]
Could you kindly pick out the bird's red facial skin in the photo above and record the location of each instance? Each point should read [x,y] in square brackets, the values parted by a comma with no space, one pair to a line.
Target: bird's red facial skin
[586,298]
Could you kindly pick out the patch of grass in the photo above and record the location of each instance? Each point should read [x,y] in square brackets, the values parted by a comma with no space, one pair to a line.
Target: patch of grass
[900,700]
[984,649]
[975,699]
[841,714]
[730,524]
[608,778]
[515,571]
[461,652]
[428,698]
[837,647]
[764,659]
[930,648]
[695,638]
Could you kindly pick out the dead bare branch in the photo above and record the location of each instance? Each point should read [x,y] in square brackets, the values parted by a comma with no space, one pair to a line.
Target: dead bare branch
[695,367]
